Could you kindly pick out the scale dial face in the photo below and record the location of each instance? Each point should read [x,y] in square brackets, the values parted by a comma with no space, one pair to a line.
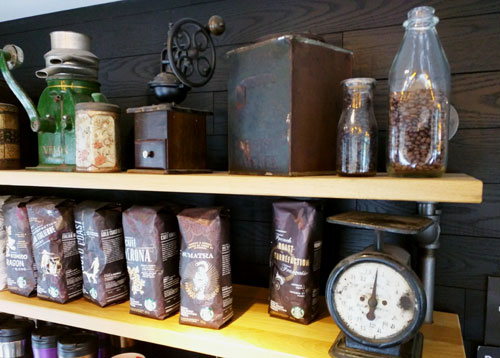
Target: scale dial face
[375,300]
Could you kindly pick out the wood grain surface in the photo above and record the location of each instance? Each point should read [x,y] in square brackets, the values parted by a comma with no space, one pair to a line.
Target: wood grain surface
[452,188]
[252,332]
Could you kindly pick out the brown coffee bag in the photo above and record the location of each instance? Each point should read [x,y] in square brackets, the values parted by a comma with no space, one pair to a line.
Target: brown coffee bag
[205,267]
[152,253]
[101,247]
[54,247]
[295,260]
[21,267]
[3,246]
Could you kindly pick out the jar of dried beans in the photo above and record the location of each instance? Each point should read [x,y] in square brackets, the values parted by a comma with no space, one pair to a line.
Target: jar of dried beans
[357,130]
[419,108]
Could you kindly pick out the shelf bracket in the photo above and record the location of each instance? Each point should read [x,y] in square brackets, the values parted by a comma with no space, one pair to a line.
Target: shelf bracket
[428,240]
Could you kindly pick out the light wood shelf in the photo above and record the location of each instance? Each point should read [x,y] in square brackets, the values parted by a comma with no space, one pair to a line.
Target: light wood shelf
[251,333]
[451,188]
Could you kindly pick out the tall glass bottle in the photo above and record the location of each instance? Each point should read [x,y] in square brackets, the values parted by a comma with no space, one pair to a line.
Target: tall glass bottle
[419,108]
[357,130]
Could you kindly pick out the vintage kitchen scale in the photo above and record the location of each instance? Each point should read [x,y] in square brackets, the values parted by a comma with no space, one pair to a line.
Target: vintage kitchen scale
[170,138]
[71,74]
[375,298]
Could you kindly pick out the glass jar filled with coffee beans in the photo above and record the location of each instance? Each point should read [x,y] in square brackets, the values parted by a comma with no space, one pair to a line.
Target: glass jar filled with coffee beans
[357,130]
[419,108]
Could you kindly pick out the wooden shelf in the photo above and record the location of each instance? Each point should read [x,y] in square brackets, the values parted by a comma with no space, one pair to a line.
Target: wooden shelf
[451,188]
[251,333]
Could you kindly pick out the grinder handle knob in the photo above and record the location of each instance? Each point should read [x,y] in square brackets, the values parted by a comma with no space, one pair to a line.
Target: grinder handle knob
[216,25]
[10,57]
[16,55]
[46,124]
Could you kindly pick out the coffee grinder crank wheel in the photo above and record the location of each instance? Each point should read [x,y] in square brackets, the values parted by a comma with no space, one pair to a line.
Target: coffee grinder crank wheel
[191,52]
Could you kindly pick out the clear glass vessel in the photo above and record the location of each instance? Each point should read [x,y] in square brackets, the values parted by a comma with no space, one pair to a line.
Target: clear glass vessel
[357,130]
[419,108]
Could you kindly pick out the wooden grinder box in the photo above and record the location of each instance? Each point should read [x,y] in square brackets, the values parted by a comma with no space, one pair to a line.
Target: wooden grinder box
[169,139]
[284,102]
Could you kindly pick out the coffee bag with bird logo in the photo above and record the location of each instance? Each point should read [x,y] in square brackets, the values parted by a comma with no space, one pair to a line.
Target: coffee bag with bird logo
[152,253]
[205,267]
[54,246]
[101,247]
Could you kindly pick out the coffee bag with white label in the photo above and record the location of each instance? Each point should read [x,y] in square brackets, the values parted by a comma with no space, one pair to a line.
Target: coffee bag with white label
[21,267]
[101,247]
[54,247]
[205,267]
[152,253]
[3,246]
[295,260]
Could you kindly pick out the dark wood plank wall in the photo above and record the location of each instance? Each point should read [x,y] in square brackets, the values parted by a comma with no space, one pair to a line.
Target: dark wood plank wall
[129,35]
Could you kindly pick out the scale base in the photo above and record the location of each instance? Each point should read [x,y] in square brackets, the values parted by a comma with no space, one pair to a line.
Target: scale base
[410,349]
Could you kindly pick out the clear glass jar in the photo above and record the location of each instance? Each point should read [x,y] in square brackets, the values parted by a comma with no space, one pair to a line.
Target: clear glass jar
[419,108]
[357,130]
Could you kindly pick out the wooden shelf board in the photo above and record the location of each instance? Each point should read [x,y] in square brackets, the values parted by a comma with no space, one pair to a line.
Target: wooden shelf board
[251,333]
[452,188]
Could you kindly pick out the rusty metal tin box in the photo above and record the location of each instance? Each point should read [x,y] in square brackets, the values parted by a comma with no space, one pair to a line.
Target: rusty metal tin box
[284,102]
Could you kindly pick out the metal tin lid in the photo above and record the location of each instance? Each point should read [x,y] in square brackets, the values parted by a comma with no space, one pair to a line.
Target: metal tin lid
[165,79]
[302,37]
[46,337]
[306,35]
[7,107]
[12,331]
[76,345]
[167,107]
[97,106]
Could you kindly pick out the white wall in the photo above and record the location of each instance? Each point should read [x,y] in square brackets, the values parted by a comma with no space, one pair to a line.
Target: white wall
[17,9]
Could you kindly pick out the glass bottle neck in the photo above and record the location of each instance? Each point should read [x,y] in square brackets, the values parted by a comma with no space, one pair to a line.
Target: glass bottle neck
[356,98]
[421,18]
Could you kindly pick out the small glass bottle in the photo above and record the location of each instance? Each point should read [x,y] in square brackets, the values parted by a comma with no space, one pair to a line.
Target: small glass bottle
[419,108]
[357,130]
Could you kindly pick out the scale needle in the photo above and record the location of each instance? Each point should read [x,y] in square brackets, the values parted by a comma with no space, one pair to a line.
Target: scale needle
[372,302]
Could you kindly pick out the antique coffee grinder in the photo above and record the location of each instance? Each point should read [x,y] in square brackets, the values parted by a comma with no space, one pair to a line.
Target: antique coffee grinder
[375,298]
[170,138]
[71,75]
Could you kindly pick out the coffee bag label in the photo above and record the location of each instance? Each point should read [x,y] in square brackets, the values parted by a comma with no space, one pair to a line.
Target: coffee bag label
[295,261]
[102,252]
[3,247]
[55,249]
[19,259]
[206,288]
[152,254]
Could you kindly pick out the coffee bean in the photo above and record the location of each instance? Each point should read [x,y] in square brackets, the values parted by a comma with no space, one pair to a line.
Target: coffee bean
[418,121]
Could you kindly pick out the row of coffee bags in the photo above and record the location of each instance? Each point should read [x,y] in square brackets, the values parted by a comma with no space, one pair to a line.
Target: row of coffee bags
[198,280]
[59,250]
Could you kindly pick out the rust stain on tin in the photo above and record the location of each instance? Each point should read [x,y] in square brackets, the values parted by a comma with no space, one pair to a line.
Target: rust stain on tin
[244,146]
[289,127]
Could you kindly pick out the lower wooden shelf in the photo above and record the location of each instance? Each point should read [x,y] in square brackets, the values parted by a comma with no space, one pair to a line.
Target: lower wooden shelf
[251,333]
